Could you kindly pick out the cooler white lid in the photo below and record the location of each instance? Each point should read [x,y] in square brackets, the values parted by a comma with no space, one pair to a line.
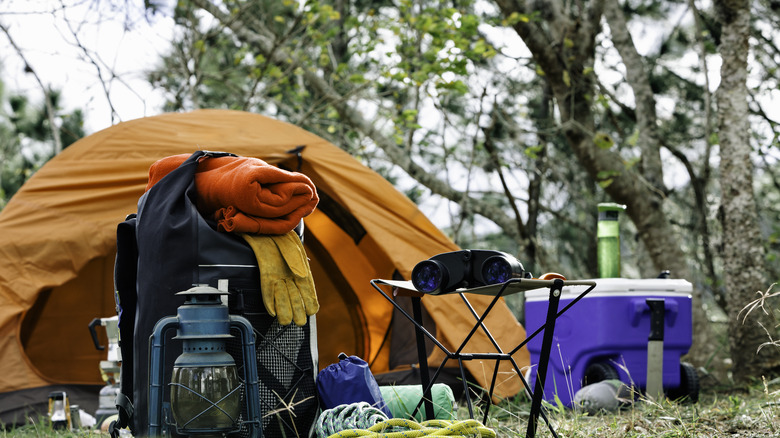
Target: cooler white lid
[621,286]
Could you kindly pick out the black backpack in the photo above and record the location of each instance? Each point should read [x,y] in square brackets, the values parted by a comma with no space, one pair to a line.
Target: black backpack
[166,248]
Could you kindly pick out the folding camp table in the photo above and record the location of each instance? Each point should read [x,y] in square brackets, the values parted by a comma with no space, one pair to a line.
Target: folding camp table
[512,286]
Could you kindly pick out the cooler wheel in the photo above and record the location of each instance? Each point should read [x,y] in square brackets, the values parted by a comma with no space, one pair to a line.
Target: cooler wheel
[598,371]
[688,391]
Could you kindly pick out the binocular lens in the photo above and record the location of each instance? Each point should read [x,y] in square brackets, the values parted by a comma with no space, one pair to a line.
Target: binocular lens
[427,276]
[496,270]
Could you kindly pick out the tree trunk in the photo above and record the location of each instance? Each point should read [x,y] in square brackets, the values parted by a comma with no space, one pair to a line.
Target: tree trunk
[743,250]
[565,67]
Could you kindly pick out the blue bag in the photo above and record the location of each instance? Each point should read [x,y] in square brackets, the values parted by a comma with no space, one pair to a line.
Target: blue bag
[349,381]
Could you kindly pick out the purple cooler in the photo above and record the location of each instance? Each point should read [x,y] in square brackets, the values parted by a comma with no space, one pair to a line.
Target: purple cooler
[605,335]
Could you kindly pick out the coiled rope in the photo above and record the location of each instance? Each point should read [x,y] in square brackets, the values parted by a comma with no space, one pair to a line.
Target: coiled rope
[349,416]
[363,420]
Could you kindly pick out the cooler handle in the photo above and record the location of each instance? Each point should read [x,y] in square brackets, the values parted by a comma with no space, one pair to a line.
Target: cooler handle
[638,308]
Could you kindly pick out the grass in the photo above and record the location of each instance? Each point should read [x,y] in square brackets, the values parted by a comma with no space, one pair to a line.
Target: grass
[41,429]
[720,412]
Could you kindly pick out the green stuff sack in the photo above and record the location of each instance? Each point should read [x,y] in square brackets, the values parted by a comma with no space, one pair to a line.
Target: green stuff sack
[402,399]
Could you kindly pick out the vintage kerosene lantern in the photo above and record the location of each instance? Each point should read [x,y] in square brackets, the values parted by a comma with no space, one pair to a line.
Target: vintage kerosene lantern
[205,389]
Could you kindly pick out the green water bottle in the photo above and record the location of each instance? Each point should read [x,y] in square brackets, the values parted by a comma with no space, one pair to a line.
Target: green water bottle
[608,233]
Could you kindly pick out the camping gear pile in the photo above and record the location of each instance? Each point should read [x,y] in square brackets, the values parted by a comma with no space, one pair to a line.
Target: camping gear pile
[58,247]
[171,245]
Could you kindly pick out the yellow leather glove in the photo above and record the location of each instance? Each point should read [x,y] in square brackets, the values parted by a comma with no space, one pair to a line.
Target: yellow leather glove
[285,277]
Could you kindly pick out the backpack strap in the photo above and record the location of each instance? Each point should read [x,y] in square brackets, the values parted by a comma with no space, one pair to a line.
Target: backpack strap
[125,276]
[125,408]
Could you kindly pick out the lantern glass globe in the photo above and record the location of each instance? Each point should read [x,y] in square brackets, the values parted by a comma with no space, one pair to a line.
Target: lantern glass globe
[205,398]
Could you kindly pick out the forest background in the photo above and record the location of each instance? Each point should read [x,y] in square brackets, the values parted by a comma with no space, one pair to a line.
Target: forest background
[507,121]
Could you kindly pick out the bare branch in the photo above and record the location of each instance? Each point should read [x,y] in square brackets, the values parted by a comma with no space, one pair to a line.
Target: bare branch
[262,39]
[91,59]
[638,79]
[55,130]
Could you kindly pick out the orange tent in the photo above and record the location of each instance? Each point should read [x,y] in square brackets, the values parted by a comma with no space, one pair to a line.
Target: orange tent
[57,248]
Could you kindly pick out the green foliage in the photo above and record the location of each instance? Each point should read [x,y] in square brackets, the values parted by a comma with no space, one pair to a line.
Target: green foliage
[606,177]
[394,56]
[603,140]
[444,83]
[533,151]
[26,139]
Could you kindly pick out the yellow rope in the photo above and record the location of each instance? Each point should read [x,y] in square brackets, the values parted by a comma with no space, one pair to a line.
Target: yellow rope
[430,428]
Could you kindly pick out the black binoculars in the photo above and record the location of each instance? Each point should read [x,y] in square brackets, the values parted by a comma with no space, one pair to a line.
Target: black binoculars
[450,271]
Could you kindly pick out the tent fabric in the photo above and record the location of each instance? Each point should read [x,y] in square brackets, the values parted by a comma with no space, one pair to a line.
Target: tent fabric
[58,243]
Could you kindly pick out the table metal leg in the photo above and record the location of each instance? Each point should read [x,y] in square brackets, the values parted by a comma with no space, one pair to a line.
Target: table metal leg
[544,357]
[489,400]
[422,356]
